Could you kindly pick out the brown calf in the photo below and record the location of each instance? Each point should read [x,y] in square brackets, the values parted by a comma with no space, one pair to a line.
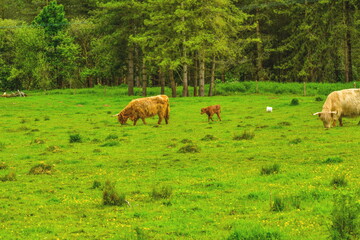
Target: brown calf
[211,110]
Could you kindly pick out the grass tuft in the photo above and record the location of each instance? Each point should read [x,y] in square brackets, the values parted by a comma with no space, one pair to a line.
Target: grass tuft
[11,176]
[3,166]
[339,181]
[2,146]
[249,231]
[278,205]
[246,135]
[273,169]
[75,138]
[111,197]
[209,137]
[41,168]
[333,160]
[162,192]
[294,102]
[189,148]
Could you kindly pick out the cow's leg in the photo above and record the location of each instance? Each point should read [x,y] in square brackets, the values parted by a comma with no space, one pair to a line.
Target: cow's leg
[211,117]
[143,119]
[340,122]
[160,119]
[334,123]
[218,116]
[166,120]
[135,120]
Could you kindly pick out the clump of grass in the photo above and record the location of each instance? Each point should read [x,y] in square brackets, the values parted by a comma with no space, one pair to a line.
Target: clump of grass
[96,184]
[249,231]
[54,149]
[39,141]
[110,144]
[339,181]
[41,168]
[284,124]
[75,138]
[185,140]
[273,169]
[345,218]
[11,176]
[246,135]
[2,146]
[111,196]
[294,102]
[278,204]
[333,160]
[209,137]
[162,192]
[189,148]
[111,137]
[318,99]
[3,166]
[46,118]
[295,141]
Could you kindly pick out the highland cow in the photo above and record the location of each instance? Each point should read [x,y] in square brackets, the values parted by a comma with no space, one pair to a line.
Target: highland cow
[144,108]
[211,110]
[339,104]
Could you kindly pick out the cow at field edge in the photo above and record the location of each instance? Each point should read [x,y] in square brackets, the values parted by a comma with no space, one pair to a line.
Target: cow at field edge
[339,104]
[211,110]
[144,108]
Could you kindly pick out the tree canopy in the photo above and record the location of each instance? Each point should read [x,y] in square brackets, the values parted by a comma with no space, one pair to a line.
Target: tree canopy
[71,43]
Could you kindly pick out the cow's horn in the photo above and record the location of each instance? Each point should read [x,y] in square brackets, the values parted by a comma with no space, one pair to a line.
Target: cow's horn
[115,115]
[317,113]
[333,112]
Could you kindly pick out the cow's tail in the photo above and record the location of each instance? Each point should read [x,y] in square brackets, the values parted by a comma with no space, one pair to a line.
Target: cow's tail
[167,111]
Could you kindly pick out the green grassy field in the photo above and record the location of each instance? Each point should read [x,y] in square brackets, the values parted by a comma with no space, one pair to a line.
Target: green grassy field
[218,192]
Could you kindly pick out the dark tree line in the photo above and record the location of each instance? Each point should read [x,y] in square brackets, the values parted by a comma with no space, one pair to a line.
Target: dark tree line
[169,43]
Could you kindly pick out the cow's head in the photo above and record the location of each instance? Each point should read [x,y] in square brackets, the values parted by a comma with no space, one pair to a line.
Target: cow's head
[122,118]
[203,110]
[326,117]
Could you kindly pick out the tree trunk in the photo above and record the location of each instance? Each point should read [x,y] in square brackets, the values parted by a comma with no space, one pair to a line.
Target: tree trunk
[144,79]
[195,77]
[130,76]
[162,81]
[259,51]
[348,47]
[212,79]
[172,83]
[202,77]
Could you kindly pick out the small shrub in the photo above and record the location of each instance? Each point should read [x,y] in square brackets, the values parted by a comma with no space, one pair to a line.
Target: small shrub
[318,99]
[345,218]
[278,205]
[11,176]
[273,169]
[339,181]
[75,138]
[294,102]
[190,148]
[41,168]
[246,135]
[333,160]
[209,137]
[162,192]
[111,196]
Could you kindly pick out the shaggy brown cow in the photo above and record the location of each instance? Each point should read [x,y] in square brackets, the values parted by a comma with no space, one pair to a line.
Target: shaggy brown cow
[144,108]
[211,110]
[339,104]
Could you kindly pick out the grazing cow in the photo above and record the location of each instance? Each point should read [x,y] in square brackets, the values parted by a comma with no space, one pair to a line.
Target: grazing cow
[211,110]
[339,104]
[144,108]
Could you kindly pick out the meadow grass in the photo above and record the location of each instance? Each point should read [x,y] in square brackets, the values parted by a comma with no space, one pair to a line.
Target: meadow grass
[171,192]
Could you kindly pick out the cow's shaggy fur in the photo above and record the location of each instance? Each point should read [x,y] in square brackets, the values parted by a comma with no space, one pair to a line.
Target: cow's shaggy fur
[211,110]
[142,108]
[339,104]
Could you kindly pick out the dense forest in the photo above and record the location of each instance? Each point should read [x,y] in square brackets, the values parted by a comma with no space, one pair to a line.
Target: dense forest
[168,43]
